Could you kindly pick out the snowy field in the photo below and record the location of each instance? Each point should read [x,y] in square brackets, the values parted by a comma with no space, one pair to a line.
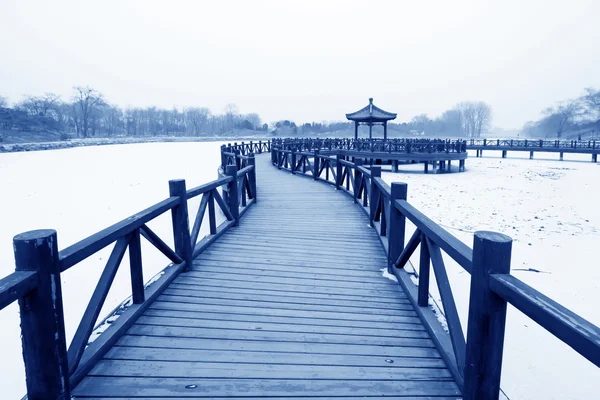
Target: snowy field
[551,210]
[78,192]
[548,207]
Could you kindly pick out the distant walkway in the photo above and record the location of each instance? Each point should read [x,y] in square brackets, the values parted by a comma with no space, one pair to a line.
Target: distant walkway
[290,304]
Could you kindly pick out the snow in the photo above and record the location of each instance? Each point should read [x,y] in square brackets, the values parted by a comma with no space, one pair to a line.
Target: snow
[386,274]
[550,209]
[78,192]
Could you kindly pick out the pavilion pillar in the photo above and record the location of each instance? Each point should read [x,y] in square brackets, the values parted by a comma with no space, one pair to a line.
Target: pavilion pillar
[355,130]
[370,130]
[384,130]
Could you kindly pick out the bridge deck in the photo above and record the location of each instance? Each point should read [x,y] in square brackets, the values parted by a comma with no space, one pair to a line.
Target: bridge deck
[290,304]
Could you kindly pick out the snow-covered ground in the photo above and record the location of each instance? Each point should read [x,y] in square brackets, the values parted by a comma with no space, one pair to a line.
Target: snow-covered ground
[78,192]
[551,210]
[548,207]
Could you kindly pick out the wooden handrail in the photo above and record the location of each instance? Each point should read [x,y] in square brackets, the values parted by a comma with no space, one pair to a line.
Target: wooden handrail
[16,285]
[96,242]
[575,331]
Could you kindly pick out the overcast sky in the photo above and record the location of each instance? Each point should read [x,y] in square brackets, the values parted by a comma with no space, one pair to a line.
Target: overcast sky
[306,60]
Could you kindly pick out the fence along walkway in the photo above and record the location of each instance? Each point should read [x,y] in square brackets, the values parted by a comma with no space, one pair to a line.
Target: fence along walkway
[291,303]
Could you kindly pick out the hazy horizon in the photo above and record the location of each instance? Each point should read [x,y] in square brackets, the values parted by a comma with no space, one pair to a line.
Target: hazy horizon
[305,60]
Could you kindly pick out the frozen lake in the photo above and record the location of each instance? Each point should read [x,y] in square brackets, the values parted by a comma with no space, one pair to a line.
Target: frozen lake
[549,208]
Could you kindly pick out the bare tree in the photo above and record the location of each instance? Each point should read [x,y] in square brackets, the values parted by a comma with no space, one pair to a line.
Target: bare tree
[591,99]
[231,115]
[3,102]
[196,118]
[87,101]
[420,122]
[476,117]
[558,117]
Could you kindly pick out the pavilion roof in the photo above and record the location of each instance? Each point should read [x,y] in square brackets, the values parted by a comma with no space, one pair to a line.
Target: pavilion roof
[371,113]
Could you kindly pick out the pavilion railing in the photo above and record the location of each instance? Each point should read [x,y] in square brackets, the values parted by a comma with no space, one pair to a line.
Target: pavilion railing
[476,362]
[373,145]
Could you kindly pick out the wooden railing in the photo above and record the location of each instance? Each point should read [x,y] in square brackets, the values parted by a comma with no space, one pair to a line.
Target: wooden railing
[374,145]
[50,368]
[535,144]
[475,362]
[237,154]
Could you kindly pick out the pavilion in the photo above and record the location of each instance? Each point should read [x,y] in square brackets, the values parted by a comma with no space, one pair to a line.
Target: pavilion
[370,115]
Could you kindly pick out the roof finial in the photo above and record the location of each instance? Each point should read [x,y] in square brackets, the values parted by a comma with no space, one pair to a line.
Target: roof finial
[370,100]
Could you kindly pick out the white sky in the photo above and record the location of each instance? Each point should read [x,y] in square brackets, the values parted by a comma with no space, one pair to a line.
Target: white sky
[306,60]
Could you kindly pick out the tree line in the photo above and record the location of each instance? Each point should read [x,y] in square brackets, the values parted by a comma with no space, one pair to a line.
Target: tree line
[88,114]
[575,118]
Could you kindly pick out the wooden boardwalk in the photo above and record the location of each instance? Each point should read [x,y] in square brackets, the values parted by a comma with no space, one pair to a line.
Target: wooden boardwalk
[290,304]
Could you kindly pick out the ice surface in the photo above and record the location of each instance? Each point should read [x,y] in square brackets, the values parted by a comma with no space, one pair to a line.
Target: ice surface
[78,192]
[550,209]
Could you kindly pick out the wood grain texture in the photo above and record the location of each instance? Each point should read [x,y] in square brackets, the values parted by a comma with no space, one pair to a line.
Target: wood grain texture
[293,309]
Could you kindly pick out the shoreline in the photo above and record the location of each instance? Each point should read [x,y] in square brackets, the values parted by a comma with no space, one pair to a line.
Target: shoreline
[67,144]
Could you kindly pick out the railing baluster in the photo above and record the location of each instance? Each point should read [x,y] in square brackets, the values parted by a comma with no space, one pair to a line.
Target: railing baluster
[42,319]
[424,269]
[135,268]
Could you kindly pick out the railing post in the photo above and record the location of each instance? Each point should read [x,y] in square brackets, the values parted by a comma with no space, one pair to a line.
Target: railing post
[252,175]
[181,224]
[234,205]
[223,157]
[316,165]
[357,178]
[487,317]
[42,318]
[294,161]
[338,171]
[373,203]
[397,227]
[260,147]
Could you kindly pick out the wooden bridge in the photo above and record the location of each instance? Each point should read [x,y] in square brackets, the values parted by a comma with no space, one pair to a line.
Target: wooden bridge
[545,146]
[285,299]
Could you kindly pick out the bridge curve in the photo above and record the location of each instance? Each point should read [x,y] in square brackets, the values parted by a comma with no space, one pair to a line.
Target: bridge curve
[291,303]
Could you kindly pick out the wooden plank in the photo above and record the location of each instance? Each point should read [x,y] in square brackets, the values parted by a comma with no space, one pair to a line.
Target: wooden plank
[295,283]
[283,296]
[16,285]
[276,297]
[275,338]
[171,369]
[236,315]
[129,386]
[176,295]
[267,357]
[405,330]
[291,288]
[382,284]
[166,304]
